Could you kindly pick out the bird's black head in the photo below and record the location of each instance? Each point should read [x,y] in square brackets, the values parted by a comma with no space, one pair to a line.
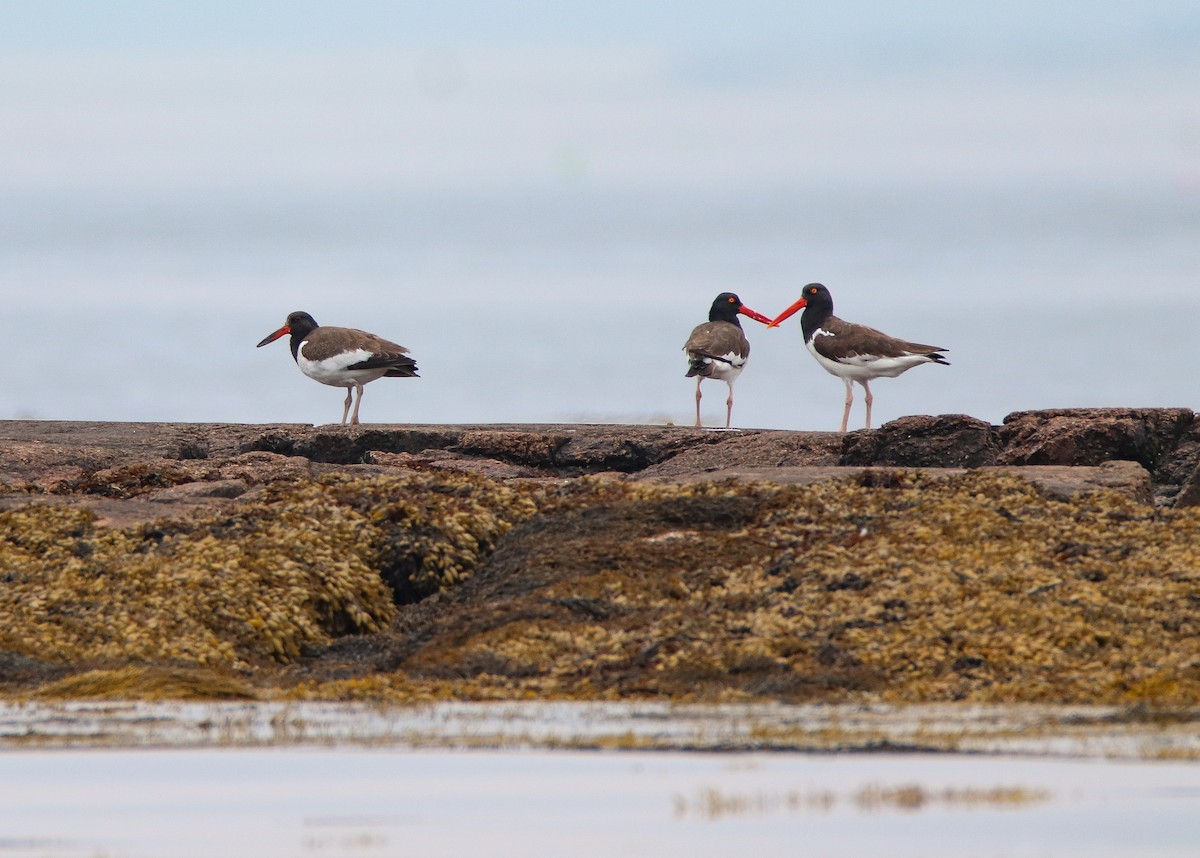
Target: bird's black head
[818,296]
[299,324]
[726,308]
[814,300]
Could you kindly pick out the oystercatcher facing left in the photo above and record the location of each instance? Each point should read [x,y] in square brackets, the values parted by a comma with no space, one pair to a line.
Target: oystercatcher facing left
[719,348]
[854,352]
[343,357]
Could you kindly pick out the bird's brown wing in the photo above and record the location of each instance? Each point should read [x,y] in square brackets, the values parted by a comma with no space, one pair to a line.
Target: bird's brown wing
[713,344]
[326,342]
[840,341]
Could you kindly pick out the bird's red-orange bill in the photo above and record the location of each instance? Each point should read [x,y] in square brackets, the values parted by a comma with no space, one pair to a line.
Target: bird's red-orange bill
[270,338]
[789,312]
[754,314]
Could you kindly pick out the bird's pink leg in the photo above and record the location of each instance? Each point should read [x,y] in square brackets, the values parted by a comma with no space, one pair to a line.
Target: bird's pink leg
[698,380]
[357,402]
[849,402]
[729,406]
[346,407]
[867,387]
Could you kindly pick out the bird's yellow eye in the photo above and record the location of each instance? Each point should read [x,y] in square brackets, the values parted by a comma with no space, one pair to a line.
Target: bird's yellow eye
[812,291]
[731,300]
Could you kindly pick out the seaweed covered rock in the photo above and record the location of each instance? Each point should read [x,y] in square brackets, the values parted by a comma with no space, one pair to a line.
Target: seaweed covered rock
[150,683]
[897,586]
[305,562]
[264,586]
[432,529]
[978,587]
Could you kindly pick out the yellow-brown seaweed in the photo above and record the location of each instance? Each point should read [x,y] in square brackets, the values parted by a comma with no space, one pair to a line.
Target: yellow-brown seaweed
[435,585]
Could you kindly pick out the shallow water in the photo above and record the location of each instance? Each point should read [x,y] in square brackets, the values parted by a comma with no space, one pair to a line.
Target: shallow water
[511,803]
[120,779]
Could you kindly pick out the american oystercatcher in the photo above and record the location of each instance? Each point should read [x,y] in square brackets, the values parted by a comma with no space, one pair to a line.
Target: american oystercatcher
[343,357]
[719,348]
[854,352]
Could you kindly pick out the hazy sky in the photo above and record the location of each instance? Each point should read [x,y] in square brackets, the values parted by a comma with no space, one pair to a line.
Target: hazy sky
[581,180]
[865,28]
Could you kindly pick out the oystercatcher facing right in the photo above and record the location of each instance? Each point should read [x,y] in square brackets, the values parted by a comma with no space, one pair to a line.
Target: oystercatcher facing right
[854,352]
[719,348]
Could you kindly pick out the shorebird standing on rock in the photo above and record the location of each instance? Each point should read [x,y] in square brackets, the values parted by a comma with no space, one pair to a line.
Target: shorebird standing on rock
[719,348]
[854,352]
[343,357]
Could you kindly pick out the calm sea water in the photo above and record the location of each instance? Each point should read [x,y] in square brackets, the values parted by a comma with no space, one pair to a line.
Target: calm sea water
[442,803]
[542,221]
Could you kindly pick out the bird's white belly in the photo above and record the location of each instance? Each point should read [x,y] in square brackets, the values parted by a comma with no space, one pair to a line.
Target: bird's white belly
[865,367]
[334,370]
[726,370]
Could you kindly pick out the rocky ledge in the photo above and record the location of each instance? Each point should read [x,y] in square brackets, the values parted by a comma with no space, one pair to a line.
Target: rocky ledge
[200,464]
[1052,557]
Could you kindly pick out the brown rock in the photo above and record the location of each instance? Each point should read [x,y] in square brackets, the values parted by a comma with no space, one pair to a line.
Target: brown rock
[1179,467]
[131,459]
[1065,481]
[447,460]
[628,449]
[257,468]
[350,445]
[199,491]
[1189,492]
[532,449]
[569,449]
[1089,436]
[32,449]
[945,441]
[718,450]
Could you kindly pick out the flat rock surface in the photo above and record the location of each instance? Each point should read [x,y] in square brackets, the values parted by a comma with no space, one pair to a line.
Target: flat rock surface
[170,468]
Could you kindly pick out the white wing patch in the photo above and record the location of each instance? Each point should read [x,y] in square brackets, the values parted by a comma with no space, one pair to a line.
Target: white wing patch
[727,368]
[335,370]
